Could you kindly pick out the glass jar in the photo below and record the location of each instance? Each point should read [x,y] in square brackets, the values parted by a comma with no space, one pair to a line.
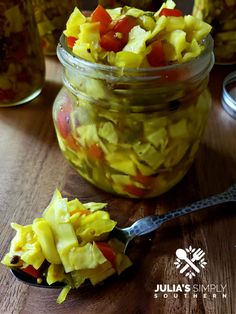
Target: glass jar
[51,17]
[132,132]
[222,16]
[22,66]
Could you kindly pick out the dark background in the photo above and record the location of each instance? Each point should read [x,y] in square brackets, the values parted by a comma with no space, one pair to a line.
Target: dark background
[184,5]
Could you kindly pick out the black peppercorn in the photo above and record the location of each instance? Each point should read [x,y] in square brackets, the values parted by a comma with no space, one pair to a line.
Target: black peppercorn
[15,259]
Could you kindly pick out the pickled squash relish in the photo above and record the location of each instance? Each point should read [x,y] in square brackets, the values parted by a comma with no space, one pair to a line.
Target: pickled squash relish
[132,38]
[69,244]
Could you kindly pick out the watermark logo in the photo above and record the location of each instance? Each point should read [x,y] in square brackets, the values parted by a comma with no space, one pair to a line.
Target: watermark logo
[189,261]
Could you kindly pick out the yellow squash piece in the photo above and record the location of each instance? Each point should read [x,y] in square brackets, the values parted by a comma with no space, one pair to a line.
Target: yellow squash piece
[73,24]
[45,237]
[55,273]
[92,226]
[25,245]
[97,274]
[86,257]
[63,231]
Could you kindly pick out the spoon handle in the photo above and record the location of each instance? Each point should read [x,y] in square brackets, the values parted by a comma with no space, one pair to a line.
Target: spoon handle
[151,223]
[225,197]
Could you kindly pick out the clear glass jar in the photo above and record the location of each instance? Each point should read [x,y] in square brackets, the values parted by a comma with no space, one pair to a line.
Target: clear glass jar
[51,17]
[22,66]
[132,132]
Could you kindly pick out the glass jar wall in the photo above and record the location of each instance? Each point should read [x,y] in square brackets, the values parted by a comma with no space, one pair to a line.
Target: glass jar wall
[21,59]
[132,132]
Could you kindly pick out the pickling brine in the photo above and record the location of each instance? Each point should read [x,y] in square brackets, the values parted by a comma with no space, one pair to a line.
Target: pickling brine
[21,59]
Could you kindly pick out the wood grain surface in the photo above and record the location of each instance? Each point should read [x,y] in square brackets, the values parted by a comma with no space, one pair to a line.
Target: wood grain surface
[32,167]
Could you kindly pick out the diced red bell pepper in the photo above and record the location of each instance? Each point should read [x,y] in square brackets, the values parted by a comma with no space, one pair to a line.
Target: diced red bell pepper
[144,180]
[124,26]
[102,16]
[31,271]
[95,152]
[111,41]
[71,142]
[134,190]
[63,120]
[171,12]
[70,41]
[156,56]
[107,251]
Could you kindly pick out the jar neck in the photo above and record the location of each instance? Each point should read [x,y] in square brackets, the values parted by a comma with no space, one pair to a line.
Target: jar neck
[136,90]
[171,74]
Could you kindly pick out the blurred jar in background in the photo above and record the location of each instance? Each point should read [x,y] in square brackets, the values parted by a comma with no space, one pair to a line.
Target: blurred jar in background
[51,17]
[151,5]
[22,67]
[221,14]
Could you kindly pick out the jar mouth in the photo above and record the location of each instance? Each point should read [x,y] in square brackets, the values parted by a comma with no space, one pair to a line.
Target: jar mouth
[77,61]
[203,63]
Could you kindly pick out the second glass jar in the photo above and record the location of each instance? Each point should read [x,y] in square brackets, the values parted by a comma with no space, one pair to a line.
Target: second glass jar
[51,17]
[22,67]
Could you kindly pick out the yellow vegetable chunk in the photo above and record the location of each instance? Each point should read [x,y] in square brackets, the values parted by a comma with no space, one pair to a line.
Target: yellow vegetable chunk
[122,261]
[128,59]
[89,33]
[75,206]
[177,39]
[83,50]
[173,23]
[73,24]
[45,237]
[63,294]
[99,273]
[64,233]
[55,273]
[137,40]
[26,245]
[196,28]
[92,226]
[86,257]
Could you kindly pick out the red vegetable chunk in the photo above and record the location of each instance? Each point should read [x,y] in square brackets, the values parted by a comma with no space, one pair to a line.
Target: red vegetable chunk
[171,12]
[107,251]
[111,41]
[102,16]
[157,56]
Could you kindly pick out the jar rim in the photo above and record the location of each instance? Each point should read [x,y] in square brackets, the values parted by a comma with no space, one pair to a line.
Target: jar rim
[70,58]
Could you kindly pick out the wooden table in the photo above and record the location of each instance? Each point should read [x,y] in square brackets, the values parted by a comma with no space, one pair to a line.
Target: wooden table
[32,167]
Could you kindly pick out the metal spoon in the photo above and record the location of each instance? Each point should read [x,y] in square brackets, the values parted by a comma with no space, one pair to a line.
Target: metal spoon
[147,225]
